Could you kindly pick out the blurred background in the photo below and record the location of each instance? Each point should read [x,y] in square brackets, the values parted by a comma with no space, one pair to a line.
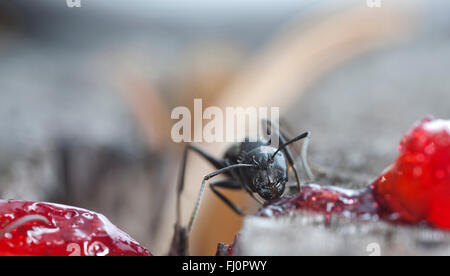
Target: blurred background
[86,95]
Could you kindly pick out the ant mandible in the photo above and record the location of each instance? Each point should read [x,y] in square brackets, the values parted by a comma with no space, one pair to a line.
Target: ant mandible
[255,166]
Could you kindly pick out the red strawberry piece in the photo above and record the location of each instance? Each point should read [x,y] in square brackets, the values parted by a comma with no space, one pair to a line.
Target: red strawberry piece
[43,229]
[417,185]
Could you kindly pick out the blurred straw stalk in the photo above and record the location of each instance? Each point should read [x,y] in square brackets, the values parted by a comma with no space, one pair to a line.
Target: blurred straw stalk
[292,61]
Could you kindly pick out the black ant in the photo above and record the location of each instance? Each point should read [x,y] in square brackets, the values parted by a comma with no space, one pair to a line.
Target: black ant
[257,167]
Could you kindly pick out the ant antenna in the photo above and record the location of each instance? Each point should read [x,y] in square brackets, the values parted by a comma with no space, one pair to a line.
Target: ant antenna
[202,188]
[306,136]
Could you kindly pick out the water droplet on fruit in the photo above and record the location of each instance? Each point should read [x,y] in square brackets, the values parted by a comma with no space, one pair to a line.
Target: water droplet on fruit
[87,215]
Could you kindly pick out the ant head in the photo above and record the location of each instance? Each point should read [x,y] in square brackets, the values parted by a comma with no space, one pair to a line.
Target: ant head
[270,172]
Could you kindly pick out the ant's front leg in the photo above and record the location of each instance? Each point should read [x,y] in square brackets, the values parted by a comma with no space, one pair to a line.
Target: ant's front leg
[202,188]
[212,160]
[180,239]
[227,184]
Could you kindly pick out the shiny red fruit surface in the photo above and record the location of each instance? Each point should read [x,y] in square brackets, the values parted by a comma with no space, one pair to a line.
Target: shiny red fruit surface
[44,229]
[417,185]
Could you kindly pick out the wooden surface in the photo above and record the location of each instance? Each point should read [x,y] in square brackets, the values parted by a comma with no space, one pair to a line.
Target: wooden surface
[305,234]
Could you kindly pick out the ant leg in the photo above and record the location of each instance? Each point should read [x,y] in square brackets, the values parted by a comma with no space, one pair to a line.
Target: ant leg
[282,138]
[306,136]
[215,162]
[228,184]
[179,246]
[202,188]
[304,152]
[235,175]
[290,160]
[304,156]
